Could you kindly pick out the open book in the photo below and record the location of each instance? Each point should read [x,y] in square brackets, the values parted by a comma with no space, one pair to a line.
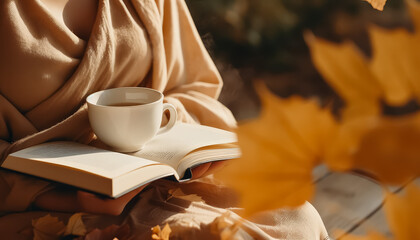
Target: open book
[171,154]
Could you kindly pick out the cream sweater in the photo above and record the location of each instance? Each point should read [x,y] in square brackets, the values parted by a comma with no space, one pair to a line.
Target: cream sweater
[46,72]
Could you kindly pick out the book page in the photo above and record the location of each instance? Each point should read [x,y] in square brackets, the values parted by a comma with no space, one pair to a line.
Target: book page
[207,154]
[86,158]
[169,148]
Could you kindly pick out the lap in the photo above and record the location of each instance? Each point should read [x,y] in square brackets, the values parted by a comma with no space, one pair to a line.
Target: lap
[194,209]
[198,209]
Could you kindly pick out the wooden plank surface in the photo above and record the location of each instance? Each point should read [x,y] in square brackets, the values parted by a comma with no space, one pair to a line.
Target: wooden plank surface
[376,222]
[345,201]
[351,203]
[320,172]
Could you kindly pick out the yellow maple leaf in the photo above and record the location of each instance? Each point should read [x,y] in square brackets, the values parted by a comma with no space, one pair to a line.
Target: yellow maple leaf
[339,156]
[377,4]
[391,74]
[396,54]
[366,140]
[345,69]
[279,151]
[389,151]
[386,148]
[161,234]
[48,228]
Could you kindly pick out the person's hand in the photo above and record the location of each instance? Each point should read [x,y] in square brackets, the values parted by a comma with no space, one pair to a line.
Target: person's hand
[71,200]
[206,169]
[68,200]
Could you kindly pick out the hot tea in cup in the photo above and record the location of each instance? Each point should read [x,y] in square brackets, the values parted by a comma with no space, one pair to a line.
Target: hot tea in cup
[127,118]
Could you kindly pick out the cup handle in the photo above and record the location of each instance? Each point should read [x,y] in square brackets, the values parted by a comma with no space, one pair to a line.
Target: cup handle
[171,120]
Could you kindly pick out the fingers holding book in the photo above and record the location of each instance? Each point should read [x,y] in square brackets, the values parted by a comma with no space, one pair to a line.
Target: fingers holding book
[206,169]
[72,200]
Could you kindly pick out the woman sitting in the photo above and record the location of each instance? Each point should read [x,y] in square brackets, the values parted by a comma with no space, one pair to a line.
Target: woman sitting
[56,52]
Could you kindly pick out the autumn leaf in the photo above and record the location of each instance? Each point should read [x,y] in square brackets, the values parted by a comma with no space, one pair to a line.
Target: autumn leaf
[161,234]
[389,151]
[392,75]
[48,228]
[224,227]
[340,154]
[366,140]
[279,151]
[220,223]
[385,148]
[75,225]
[395,66]
[178,193]
[377,4]
[345,69]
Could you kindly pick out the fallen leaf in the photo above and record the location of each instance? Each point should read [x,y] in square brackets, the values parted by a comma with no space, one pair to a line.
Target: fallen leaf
[75,225]
[48,228]
[178,193]
[224,227]
[161,234]
[220,223]
[377,4]
[279,150]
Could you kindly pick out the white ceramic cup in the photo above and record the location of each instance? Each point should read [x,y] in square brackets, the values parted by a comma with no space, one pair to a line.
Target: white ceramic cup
[127,118]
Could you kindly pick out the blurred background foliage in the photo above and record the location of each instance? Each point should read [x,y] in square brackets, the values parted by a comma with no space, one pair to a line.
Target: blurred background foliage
[268,33]
[263,39]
